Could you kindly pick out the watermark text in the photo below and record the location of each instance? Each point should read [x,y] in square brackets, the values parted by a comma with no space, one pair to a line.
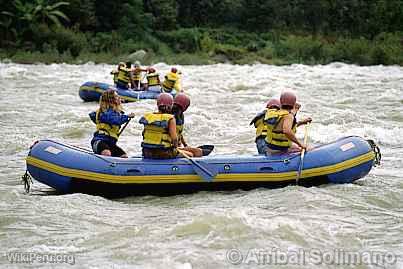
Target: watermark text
[277,256]
[34,257]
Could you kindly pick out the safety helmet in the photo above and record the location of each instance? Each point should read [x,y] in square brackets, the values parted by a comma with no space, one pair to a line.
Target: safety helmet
[182,100]
[136,64]
[288,98]
[122,64]
[273,103]
[174,70]
[165,99]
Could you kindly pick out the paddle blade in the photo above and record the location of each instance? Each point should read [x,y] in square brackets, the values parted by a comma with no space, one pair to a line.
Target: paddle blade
[206,149]
[206,171]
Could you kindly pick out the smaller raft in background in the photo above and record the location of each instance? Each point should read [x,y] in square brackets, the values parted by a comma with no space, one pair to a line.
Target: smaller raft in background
[91,91]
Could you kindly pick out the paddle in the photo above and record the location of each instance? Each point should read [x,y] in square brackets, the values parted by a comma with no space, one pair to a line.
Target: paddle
[201,168]
[206,149]
[124,126]
[138,86]
[301,163]
[141,79]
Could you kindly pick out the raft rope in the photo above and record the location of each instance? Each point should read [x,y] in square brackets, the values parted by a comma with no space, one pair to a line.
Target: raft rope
[83,150]
[27,181]
[88,151]
[377,151]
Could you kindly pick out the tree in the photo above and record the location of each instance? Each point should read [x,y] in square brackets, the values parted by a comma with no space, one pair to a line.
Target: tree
[202,13]
[7,33]
[82,14]
[258,15]
[164,13]
[134,22]
[48,14]
[40,12]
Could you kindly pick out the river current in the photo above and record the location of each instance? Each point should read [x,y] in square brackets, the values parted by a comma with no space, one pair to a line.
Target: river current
[356,225]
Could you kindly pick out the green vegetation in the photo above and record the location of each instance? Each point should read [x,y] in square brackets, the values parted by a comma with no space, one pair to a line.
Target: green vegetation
[364,32]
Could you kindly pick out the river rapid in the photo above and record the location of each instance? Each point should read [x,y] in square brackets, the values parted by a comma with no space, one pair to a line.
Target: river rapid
[356,225]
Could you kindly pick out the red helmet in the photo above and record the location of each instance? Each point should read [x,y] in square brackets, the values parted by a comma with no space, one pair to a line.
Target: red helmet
[273,103]
[174,70]
[288,98]
[165,99]
[182,100]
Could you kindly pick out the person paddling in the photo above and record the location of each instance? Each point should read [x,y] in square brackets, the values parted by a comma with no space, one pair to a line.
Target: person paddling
[261,127]
[160,140]
[181,104]
[281,126]
[124,77]
[153,80]
[108,119]
[171,81]
[116,72]
[137,73]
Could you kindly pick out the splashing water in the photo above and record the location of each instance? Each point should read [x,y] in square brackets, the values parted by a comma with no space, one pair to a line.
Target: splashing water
[207,230]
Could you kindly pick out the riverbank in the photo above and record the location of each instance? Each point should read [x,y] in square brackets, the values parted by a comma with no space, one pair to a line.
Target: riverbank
[187,47]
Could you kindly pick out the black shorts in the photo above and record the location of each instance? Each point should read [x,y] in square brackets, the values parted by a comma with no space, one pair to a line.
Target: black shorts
[122,85]
[160,153]
[99,145]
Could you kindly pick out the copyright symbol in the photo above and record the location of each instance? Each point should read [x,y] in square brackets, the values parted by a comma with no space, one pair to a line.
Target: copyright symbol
[234,256]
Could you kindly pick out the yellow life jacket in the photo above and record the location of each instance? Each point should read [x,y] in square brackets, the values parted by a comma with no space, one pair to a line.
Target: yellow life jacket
[124,75]
[276,137]
[170,81]
[261,127]
[137,74]
[156,134]
[105,128]
[153,79]
[115,75]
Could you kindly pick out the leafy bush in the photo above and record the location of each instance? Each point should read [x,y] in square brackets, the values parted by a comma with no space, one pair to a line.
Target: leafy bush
[28,57]
[230,51]
[63,39]
[353,51]
[102,42]
[268,52]
[300,48]
[206,43]
[182,40]
[236,37]
[69,39]
[188,59]
[387,49]
[101,57]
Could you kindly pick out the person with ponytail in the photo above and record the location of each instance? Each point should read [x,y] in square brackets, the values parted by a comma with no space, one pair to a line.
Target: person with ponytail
[108,119]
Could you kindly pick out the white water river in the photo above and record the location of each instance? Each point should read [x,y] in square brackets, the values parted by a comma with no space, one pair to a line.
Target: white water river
[292,227]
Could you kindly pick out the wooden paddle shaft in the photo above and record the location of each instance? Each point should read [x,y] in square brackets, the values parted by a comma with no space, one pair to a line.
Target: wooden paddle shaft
[303,153]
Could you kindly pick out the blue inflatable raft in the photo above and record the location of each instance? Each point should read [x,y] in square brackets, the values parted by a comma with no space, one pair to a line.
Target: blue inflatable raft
[91,91]
[71,169]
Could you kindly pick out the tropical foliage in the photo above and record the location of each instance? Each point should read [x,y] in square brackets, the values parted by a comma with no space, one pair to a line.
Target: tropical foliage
[271,31]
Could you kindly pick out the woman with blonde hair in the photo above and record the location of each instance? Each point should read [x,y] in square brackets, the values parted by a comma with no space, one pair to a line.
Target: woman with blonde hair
[108,119]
